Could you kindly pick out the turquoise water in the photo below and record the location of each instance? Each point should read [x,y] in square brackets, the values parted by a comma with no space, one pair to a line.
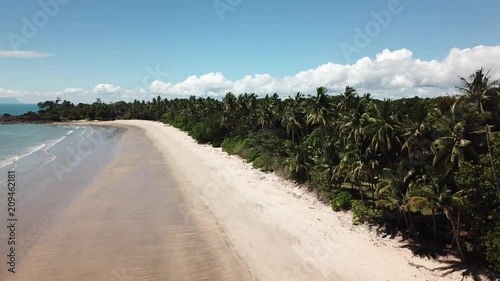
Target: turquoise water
[37,152]
[17,109]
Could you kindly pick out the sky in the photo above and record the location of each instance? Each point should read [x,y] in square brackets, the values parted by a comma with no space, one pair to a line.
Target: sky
[129,49]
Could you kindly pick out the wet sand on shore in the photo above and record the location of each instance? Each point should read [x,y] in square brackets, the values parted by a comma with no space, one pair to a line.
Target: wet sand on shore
[131,223]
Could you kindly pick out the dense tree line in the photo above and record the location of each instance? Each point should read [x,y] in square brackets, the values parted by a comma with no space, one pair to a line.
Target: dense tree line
[429,167]
[64,110]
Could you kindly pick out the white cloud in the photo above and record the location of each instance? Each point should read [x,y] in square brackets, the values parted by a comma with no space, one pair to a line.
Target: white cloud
[392,74]
[106,89]
[72,91]
[214,83]
[402,54]
[22,54]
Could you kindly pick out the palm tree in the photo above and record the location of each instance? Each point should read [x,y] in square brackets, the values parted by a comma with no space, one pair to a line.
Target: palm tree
[489,138]
[382,128]
[268,111]
[322,109]
[321,114]
[480,89]
[229,118]
[348,97]
[418,128]
[431,191]
[298,162]
[427,195]
[357,156]
[247,107]
[330,159]
[351,123]
[293,116]
[393,191]
[452,144]
[357,166]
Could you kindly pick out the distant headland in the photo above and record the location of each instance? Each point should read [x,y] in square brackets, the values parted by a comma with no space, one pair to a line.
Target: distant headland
[10,101]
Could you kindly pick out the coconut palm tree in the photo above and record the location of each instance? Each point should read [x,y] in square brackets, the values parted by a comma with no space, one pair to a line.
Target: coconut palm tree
[393,191]
[293,117]
[298,161]
[321,110]
[383,129]
[229,114]
[348,98]
[352,122]
[480,89]
[418,127]
[432,191]
[452,144]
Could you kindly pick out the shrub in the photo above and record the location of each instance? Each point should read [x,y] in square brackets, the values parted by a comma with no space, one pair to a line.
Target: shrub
[231,144]
[265,162]
[362,213]
[341,201]
[491,241]
[251,153]
[207,131]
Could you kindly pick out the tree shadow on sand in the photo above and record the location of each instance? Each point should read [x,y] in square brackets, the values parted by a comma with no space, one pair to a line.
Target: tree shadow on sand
[427,249]
[476,272]
[425,246]
[386,231]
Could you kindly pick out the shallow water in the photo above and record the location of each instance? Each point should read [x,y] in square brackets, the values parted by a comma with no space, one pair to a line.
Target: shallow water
[37,152]
[53,165]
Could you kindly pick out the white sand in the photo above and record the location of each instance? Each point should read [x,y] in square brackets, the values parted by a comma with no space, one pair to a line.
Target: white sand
[277,229]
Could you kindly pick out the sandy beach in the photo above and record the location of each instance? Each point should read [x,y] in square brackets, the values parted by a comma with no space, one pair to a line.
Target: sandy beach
[167,208]
[128,224]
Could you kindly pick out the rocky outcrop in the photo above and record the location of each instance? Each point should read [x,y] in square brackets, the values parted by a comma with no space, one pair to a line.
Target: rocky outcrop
[22,119]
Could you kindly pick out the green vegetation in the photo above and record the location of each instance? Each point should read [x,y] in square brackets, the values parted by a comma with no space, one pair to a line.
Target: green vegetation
[341,201]
[362,213]
[428,167]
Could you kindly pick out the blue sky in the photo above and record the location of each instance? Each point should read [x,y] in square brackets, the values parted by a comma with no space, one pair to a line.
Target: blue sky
[115,42]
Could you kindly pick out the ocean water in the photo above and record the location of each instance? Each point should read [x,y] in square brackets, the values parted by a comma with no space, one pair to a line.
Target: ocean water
[17,109]
[39,152]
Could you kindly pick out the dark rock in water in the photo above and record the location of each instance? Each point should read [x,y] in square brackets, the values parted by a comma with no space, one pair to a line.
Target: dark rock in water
[23,119]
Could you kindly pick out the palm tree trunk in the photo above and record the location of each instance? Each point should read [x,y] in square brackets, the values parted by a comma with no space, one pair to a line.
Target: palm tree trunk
[406,221]
[412,225]
[491,159]
[458,221]
[434,223]
[372,186]
[373,193]
[360,190]
[456,234]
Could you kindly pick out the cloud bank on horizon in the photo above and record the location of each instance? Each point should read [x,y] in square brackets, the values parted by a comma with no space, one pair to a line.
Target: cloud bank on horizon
[392,74]
[22,54]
